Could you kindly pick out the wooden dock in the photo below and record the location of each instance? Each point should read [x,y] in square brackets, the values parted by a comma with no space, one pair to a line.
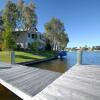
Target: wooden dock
[79,83]
[25,81]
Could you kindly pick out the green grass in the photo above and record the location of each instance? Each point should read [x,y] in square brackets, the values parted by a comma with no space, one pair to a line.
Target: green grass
[47,53]
[5,56]
[20,56]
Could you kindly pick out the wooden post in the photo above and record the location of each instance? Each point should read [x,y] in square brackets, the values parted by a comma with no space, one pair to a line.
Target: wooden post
[0,56]
[12,57]
[79,57]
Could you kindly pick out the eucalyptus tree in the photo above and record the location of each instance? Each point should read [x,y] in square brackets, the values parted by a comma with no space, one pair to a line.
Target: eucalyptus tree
[20,20]
[30,17]
[63,40]
[27,15]
[55,31]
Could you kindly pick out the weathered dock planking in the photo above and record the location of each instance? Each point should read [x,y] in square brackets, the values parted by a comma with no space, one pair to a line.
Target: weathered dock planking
[25,81]
[79,83]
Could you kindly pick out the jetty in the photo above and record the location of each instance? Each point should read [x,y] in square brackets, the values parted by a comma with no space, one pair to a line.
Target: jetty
[25,81]
[81,82]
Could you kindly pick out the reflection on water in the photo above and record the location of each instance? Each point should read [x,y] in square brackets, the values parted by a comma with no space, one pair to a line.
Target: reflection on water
[61,65]
[5,94]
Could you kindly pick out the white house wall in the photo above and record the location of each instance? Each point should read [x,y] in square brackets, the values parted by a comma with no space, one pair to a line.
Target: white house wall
[22,40]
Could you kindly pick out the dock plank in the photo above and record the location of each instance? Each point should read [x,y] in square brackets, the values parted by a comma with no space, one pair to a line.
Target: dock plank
[25,81]
[79,83]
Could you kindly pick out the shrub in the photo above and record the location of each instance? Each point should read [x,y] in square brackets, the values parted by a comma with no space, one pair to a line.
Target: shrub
[35,46]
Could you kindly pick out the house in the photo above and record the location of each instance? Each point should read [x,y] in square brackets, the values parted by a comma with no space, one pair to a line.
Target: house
[26,38]
[97,47]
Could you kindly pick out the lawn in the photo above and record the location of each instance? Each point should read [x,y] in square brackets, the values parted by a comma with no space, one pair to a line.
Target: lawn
[20,56]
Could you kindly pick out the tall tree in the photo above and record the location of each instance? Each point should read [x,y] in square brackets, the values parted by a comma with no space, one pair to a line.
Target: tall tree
[20,20]
[30,17]
[8,38]
[9,18]
[1,26]
[56,33]
[10,14]
[27,15]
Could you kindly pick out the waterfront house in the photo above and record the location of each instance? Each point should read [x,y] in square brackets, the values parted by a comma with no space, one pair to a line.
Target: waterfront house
[26,38]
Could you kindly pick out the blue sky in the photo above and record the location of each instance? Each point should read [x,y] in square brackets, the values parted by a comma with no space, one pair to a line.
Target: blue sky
[81,18]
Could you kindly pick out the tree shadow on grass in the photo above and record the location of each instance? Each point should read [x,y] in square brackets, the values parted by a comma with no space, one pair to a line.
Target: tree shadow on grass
[26,57]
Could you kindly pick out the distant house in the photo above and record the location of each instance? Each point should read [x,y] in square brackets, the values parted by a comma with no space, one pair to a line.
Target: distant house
[97,47]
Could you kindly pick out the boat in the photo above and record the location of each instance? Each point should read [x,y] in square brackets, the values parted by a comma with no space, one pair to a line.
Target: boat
[62,54]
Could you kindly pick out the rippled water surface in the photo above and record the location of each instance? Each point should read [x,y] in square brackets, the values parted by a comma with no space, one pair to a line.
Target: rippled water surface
[61,65]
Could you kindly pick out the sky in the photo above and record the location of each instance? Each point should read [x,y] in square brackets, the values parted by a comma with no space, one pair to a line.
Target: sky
[81,19]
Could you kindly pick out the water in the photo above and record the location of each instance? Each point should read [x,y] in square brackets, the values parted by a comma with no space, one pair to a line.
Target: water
[54,65]
[5,94]
[58,65]
[92,58]
[61,65]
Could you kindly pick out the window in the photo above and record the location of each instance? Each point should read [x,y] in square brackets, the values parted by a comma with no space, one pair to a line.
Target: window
[40,36]
[29,45]
[29,35]
[34,36]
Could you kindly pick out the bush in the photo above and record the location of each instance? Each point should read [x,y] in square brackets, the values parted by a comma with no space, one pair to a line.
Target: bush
[48,45]
[0,46]
[35,46]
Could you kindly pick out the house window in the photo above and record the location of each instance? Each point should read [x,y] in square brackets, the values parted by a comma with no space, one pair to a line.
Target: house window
[34,36]
[29,35]
[29,45]
[40,36]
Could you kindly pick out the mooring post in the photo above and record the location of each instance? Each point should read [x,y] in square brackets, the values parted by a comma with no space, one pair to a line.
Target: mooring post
[79,57]
[12,57]
[0,56]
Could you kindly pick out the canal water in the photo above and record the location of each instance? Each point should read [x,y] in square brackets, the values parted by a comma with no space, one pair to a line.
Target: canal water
[58,65]
[61,65]
[5,94]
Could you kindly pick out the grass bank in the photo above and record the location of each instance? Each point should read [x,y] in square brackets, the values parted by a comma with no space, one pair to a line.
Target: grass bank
[24,56]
